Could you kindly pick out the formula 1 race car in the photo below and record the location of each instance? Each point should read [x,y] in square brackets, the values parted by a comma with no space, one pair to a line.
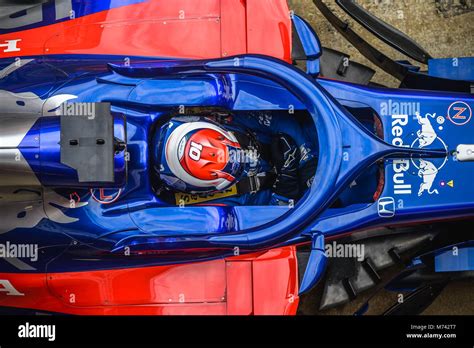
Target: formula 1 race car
[86,87]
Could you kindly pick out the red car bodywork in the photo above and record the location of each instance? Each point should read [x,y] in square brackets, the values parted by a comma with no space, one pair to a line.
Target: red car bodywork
[262,283]
[167,28]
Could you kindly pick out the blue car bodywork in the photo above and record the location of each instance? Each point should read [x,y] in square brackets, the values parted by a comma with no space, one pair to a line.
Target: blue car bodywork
[114,224]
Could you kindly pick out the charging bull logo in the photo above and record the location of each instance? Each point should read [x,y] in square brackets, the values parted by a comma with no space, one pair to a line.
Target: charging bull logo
[426,135]
[427,171]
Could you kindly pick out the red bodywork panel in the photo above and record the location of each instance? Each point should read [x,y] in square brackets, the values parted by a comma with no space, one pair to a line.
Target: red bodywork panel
[164,28]
[263,283]
[260,284]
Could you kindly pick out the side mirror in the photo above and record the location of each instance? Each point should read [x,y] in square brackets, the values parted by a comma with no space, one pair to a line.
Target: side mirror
[306,45]
[316,264]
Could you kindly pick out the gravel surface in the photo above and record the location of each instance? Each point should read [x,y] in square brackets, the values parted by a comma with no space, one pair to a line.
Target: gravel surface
[445,28]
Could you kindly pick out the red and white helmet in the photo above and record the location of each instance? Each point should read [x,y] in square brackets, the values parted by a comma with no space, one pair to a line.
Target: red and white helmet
[197,156]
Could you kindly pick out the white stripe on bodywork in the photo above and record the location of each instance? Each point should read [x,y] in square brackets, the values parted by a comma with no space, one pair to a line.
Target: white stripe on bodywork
[17,263]
[15,170]
[13,130]
[14,66]
[30,104]
[33,211]
[18,114]
[20,111]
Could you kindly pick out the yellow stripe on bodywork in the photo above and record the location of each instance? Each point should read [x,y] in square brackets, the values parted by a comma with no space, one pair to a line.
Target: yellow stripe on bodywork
[188,199]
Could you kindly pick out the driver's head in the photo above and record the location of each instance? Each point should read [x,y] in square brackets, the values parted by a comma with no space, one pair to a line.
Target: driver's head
[197,155]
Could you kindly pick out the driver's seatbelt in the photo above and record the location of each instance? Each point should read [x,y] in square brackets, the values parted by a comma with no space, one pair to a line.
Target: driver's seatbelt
[256,183]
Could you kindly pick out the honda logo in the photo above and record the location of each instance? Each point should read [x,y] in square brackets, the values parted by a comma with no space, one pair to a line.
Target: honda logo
[386,207]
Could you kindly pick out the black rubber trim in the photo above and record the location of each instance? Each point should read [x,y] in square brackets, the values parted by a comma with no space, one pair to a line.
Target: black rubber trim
[419,300]
[297,51]
[333,66]
[409,78]
[371,53]
[87,144]
[385,32]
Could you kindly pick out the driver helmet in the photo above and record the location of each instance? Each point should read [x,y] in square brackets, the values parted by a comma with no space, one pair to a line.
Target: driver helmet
[197,155]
